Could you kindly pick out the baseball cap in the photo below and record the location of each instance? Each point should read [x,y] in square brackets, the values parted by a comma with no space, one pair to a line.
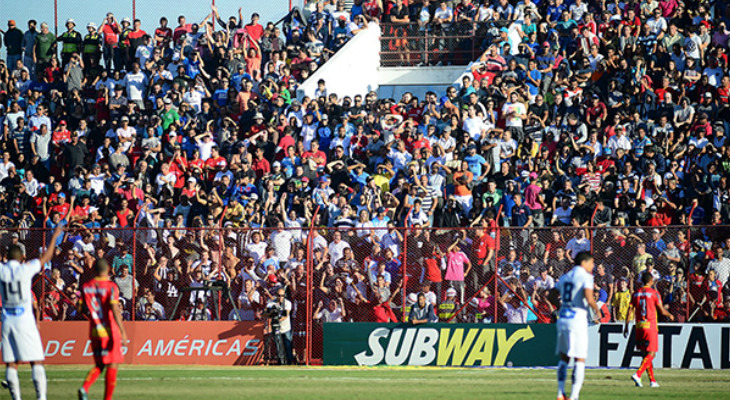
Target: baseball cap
[127,20]
[380,210]
[191,179]
[258,116]
[70,21]
[276,164]
[167,101]
[708,95]
[62,122]
[450,292]
[11,22]
[545,44]
[323,179]
[91,25]
[125,118]
[504,30]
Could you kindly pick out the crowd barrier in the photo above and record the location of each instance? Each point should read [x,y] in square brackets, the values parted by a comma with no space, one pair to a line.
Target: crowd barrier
[504,269]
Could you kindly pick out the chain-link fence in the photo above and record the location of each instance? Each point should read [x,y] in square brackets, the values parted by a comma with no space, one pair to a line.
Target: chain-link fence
[375,271]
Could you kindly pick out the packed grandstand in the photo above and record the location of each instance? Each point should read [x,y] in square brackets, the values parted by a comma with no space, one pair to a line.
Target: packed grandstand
[185,158]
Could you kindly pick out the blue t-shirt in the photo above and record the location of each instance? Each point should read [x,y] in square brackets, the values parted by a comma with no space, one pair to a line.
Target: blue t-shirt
[536,75]
[475,164]
[221,97]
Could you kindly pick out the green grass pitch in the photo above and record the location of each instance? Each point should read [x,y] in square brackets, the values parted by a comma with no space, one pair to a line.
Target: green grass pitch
[209,383]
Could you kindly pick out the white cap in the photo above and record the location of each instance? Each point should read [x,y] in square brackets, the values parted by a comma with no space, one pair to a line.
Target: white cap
[451,292]
[70,21]
[127,20]
[412,298]
[91,25]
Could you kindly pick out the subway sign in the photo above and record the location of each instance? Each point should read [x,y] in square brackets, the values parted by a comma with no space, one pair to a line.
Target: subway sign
[369,344]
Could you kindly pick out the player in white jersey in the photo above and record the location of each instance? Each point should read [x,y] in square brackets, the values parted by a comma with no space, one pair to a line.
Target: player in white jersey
[576,294]
[21,341]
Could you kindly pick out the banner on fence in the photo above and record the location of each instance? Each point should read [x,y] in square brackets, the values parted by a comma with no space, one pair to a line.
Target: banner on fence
[439,344]
[161,343]
[696,346]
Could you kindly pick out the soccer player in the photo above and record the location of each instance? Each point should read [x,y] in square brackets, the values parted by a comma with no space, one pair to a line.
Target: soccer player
[646,302]
[101,298]
[21,341]
[576,293]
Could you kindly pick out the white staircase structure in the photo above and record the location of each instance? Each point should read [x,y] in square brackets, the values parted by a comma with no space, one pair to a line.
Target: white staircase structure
[355,69]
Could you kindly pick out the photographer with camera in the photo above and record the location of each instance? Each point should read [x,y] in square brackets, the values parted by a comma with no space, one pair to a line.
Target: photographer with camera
[279,332]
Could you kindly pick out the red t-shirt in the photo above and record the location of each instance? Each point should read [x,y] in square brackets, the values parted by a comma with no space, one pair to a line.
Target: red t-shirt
[433,270]
[645,302]
[217,164]
[61,209]
[254,31]
[261,167]
[111,33]
[483,246]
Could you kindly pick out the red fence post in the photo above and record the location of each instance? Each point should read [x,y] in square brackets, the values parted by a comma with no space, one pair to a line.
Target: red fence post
[134,10]
[134,262]
[497,245]
[404,267]
[689,250]
[590,231]
[55,20]
[220,253]
[310,271]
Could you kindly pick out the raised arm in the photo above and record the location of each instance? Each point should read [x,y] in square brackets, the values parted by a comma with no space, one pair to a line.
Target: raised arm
[48,254]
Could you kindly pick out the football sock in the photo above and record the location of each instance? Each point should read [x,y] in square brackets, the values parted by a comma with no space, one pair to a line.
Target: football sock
[111,383]
[579,373]
[11,376]
[650,371]
[645,363]
[38,372]
[91,378]
[562,376]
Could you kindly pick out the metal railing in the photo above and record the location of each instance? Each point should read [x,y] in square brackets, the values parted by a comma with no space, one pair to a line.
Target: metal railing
[501,268]
[413,44]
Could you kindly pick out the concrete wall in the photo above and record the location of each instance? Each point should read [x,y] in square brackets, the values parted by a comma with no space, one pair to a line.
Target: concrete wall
[352,70]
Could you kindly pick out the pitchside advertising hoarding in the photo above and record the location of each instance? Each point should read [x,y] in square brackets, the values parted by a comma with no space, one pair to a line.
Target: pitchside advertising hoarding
[700,346]
[161,343]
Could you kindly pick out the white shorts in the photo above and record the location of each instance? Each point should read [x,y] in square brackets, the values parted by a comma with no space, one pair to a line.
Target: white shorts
[21,340]
[572,338]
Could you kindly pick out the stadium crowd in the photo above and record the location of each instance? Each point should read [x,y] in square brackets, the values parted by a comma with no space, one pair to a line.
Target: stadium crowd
[585,124]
